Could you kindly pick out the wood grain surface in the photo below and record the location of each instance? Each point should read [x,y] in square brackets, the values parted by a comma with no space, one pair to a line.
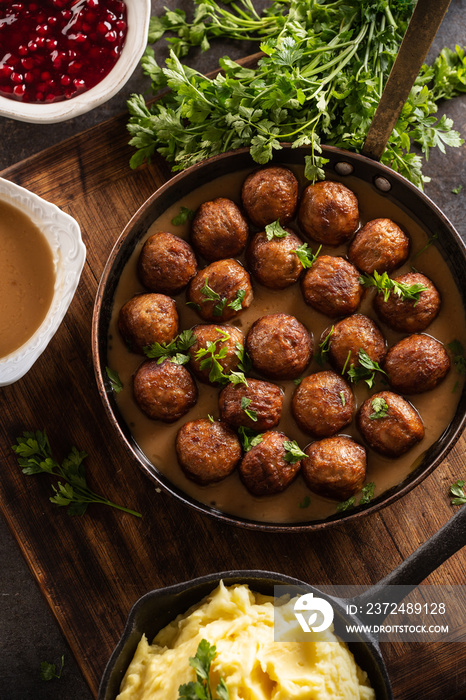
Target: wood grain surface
[91,569]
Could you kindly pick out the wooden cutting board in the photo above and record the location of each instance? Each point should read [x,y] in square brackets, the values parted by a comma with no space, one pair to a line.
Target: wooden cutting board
[91,569]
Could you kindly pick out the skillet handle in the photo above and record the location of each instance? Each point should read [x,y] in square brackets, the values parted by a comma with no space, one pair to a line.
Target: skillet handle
[422,28]
[421,563]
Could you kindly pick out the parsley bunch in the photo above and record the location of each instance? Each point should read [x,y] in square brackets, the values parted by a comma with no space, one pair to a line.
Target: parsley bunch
[35,457]
[321,78]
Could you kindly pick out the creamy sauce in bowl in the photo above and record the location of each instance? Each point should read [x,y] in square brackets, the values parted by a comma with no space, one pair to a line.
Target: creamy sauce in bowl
[27,278]
[297,503]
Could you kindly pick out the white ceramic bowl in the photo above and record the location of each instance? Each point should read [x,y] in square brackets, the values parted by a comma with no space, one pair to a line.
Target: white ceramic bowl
[69,253]
[138,12]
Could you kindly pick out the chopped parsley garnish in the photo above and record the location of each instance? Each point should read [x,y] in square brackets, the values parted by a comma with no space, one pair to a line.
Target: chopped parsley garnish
[210,294]
[365,370]
[49,671]
[245,403]
[275,230]
[305,503]
[115,381]
[249,438]
[200,689]
[456,490]
[459,357]
[184,215]
[342,397]
[324,347]
[386,285]
[424,248]
[306,257]
[293,452]
[380,407]
[367,494]
[457,190]
[175,350]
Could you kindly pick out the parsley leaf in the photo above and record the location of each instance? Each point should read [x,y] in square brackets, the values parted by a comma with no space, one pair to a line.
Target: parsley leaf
[245,403]
[386,285]
[201,689]
[184,216]
[305,503]
[367,494]
[249,438]
[275,230]
[49,671]
[115,381]
[35,457]
[365,370]
[324,347]
[380,407]
[293,452]
[306,257]
[175,350]
[456,490]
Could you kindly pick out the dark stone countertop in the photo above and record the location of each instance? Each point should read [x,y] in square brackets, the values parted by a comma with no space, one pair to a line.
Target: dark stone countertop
[28,631]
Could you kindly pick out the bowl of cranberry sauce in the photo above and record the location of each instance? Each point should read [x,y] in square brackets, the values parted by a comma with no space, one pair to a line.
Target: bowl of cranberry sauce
[61,58]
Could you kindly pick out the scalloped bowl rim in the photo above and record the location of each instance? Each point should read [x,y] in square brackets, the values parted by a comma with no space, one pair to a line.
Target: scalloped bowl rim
[69,253]
[139,12]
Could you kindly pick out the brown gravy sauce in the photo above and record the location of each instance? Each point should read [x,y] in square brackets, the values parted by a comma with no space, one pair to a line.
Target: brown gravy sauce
[436,407]
[27,278]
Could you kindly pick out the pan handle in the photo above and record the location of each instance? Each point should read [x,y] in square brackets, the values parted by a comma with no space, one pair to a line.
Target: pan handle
[421,563]
[422,28]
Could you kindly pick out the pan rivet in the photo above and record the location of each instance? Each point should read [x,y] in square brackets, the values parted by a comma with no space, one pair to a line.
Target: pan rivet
[382,184]
[344,168]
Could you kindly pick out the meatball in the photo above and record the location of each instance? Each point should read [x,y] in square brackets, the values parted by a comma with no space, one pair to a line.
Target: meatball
[166,263]
[164,391]
[349,336]
[279,346]
[389,424]
[270,194]
[265,470]
[219,230]
[147,319]
[257,405]
[332,286]
[207,451]
[322,404]
[223,341]
[274,263]
[407,315]
[334,467]
[328,212]
[221,290]
[416,364]
[379,245]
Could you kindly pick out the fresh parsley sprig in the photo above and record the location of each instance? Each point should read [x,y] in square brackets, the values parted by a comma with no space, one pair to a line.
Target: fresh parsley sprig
[49,671]
[210,294]
[367,494]
[115,381]
[386,285]
[275,230]
[185,214]
[364,370]
[306,257]
[249,438]
[176,350]
[456,490]
[210,359]
[380,407]
[35,457]
[293,452]
[200,689]
[324,347]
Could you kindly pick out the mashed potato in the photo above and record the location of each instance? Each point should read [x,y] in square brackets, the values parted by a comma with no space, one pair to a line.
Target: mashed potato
[240,624]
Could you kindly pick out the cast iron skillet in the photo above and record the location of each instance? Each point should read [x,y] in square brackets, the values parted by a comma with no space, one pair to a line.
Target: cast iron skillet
[159,607]
[385,182]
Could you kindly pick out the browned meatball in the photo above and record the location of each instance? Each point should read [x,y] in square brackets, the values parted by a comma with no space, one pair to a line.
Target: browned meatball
[270,194]
[223,342]
[416,364]
[279,346]
[332,286]
[147,319]
[389,424]
[207,451]
[274,262]
[322,404]
[164,391]
[328,212]
[257,405]
[379,245]
[265,470]
[406,315]
[219,230]
[221,291]
[334,467]
[352,334]
[166,263]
